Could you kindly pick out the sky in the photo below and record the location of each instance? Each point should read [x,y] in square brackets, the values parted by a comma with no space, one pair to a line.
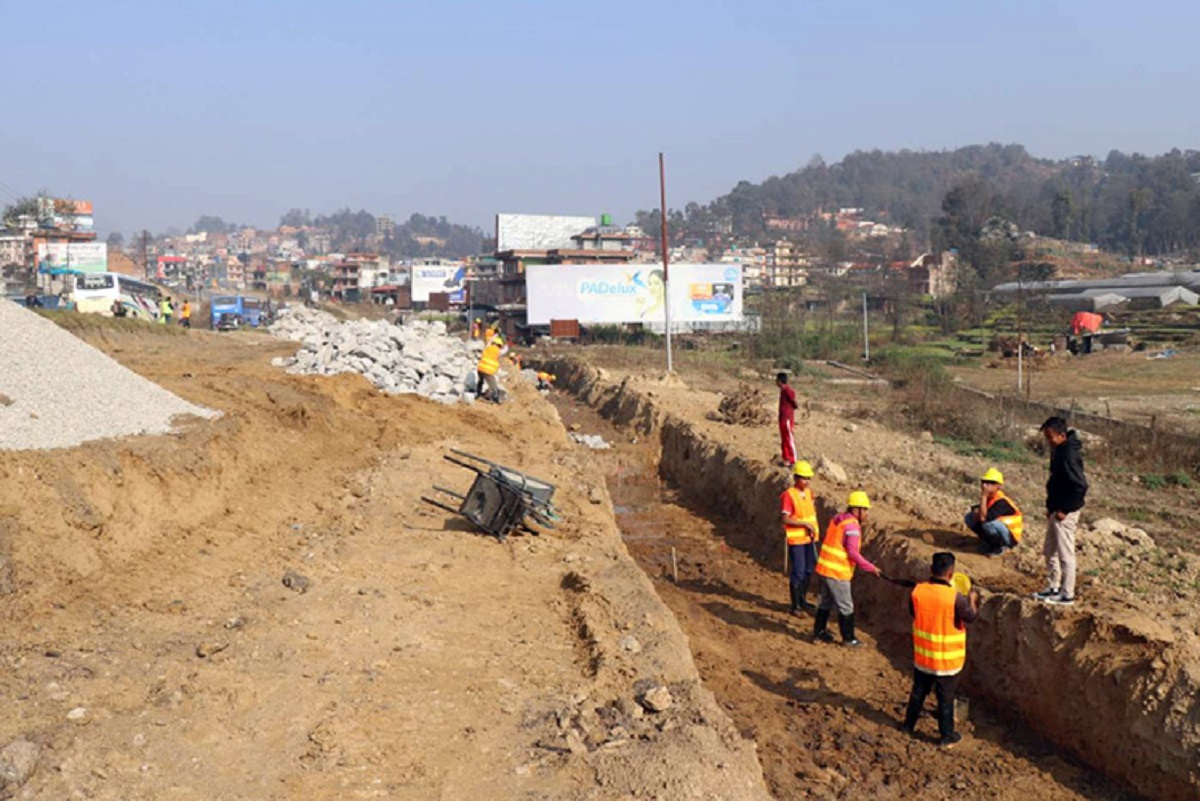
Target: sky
[160,112]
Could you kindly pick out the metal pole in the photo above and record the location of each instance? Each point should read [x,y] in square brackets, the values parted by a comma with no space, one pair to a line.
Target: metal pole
[662,186]
[866,338]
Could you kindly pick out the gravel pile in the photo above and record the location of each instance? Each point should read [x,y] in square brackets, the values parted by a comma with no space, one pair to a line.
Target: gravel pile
[56,391]
[416,358]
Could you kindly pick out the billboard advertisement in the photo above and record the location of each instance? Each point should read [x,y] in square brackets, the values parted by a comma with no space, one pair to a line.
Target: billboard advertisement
[539,231]
[427,278]
[633,293]
[57,258]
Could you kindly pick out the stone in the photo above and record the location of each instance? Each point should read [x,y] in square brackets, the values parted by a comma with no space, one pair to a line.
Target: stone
[295,582]
[850,427]
[79,715]
[595,496]
[657,699]
[629,643]
[926,436]
[832,470]
[206,649]
[18,761]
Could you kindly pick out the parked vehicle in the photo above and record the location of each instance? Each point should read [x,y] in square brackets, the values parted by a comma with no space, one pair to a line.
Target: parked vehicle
[252,312]
[95,293]
[227,312]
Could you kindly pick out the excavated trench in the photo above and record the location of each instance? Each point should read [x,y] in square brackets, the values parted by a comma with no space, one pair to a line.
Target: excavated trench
[1061,697]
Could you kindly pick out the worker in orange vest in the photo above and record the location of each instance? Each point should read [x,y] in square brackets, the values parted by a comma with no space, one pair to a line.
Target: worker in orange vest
[800,530]
[996,520]
[185,314]
[835,565]
[940,618]
[545,381]
[489,365]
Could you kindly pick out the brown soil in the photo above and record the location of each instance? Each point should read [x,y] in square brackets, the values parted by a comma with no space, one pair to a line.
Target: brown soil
[826,718]
[153,651]
[1135,663]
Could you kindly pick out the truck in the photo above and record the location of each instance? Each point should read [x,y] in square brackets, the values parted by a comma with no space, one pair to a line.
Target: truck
[227,312]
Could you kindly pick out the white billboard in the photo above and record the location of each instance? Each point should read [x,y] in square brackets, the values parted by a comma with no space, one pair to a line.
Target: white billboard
[57,258]
[428,278]
[539,231]
[633,293]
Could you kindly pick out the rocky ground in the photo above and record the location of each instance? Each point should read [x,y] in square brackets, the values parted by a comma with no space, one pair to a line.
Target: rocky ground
[262,607]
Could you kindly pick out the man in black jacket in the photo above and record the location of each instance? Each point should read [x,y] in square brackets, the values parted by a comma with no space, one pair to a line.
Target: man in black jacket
[1065,491]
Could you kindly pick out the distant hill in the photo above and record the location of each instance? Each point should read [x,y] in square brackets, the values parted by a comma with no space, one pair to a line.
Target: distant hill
[1127,203]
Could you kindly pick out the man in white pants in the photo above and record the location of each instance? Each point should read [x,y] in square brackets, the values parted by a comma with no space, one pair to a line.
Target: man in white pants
[1065,492]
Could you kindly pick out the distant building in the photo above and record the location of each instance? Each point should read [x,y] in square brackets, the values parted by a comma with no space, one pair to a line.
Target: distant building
[385,226]
[785,265]
[935,275]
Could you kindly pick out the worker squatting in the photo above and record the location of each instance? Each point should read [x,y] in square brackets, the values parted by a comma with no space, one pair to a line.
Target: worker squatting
[943,606]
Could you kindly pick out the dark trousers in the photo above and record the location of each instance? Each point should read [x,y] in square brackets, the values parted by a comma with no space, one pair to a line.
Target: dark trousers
[804,561]
[944,688]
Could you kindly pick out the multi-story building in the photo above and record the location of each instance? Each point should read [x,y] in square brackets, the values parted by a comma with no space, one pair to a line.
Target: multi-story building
[785,265]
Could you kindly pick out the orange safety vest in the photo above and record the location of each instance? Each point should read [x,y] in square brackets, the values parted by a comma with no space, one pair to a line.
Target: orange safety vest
[803,509]
[939,647]
[833,561]
[489,362]
[1015,523]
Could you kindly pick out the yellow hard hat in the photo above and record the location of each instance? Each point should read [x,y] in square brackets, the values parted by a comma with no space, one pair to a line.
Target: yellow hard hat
[859,500]
[553,377]
[478,320]
[802,469]
[961,582]
[993,476]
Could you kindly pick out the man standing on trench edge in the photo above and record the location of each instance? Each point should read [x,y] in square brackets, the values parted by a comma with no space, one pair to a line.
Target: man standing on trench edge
[940,617]
[800,529]
[835,565]
[787,419]
[1065,492]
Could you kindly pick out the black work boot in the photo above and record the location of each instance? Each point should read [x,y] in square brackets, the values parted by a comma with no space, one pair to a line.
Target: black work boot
[819,632]
[846,624]
[794,586]
[803,593]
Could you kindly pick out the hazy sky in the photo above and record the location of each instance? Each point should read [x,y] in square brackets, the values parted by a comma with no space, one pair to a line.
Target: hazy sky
[162,111]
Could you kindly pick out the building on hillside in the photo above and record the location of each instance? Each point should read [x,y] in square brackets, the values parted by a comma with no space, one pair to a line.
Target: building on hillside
[935,275]
[785,265]
[385,226]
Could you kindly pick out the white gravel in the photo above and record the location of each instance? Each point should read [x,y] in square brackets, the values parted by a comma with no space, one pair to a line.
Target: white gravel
[56,391]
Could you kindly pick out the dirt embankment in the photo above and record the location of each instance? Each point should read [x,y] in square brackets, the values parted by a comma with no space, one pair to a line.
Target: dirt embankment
[152,650]
[1106,683]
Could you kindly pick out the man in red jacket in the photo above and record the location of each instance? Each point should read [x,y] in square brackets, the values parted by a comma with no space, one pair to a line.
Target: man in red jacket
[787,419]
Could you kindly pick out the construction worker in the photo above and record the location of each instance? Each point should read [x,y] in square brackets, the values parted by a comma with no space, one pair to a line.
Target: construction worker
[800,528]
[489,365]
[940,617]
[787,419]
[835,565]
[1066,490]
[185,314]
[476,329]
[996,519]
[492,330]
[515,360]
[545,381]
[164,311]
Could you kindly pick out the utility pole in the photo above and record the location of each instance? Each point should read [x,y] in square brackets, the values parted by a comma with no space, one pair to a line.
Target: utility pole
[145,261]
[662,187]
[1020,344]
[866,338]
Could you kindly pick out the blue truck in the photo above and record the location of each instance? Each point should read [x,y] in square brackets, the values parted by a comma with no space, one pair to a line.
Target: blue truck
[228,312]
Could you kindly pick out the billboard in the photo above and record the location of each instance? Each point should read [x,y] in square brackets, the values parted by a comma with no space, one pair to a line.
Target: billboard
[449,278]
[57,258]
[539,231]
[633,293]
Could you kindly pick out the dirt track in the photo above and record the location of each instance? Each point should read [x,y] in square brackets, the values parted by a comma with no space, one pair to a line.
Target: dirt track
[152,650]
[826,718]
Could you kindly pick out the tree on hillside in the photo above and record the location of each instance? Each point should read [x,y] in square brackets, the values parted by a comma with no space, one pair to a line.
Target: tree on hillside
[115,240]
[211,224]
[296,218]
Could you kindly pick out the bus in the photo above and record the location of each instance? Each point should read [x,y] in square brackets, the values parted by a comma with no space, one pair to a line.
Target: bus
[95,293]
[252,310]
[227,312]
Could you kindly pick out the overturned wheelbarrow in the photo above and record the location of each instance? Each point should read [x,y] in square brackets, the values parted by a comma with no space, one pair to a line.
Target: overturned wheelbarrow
[500,498]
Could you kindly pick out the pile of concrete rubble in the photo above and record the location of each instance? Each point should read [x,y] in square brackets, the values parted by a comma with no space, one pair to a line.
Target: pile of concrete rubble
[417,357]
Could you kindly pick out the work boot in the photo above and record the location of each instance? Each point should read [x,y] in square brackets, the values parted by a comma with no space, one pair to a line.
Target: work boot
[795,588]
[846,624]
[819,632]
[803,593]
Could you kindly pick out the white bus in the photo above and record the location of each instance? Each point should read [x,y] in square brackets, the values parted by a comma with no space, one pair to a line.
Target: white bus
[95,292]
